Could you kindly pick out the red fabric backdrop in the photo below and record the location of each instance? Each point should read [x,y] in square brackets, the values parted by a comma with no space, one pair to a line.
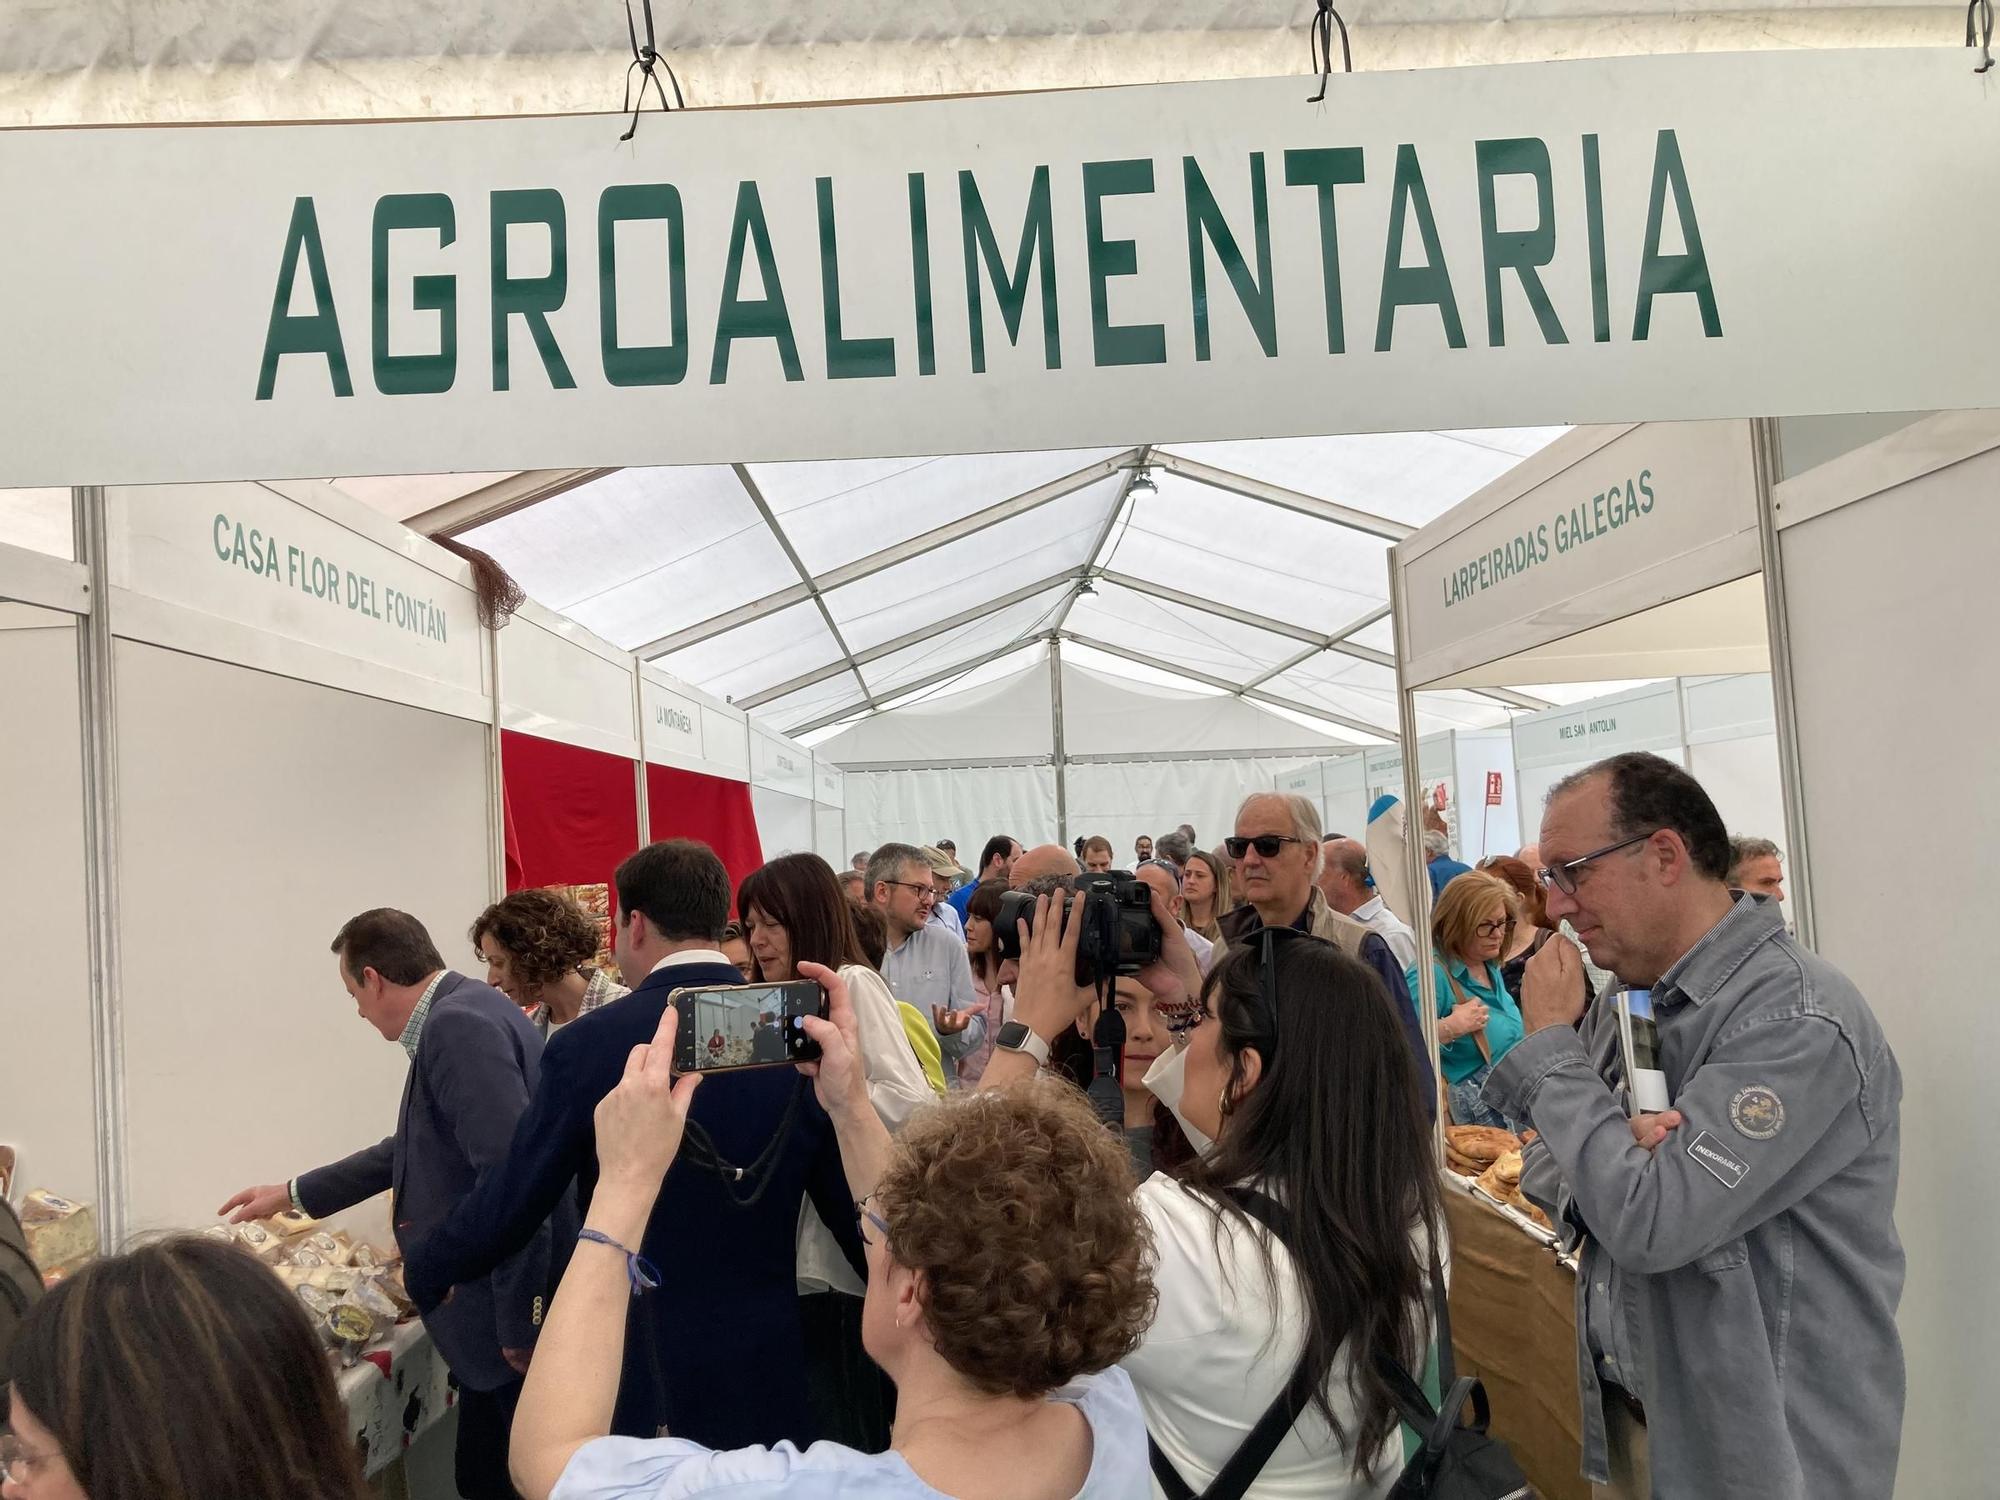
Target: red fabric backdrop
[571,814]
[688,805]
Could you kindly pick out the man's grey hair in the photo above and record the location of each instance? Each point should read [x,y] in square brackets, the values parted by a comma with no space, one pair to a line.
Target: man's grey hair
[1743,848]
[1345,854]
[1436,843]
[1175,846]
[1304,814]
[888,863]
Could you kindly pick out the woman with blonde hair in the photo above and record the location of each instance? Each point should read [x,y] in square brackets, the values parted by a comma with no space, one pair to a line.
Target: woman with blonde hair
[1205,894]
[1472,926]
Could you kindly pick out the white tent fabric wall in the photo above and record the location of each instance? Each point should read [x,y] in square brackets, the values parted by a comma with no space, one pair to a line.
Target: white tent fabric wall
[965,806]
[830,836]
[1123,799]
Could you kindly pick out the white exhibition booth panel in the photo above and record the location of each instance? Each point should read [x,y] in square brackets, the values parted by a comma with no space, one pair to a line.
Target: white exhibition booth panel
[830,816]
[302,716]
[45,904]
[1720,728]
[1902,859]
[1460,763]
[921,805]
[560,682]
[1338,787]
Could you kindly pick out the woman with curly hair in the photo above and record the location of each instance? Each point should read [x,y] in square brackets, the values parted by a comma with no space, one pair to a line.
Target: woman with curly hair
[537,946]
[1007,1276]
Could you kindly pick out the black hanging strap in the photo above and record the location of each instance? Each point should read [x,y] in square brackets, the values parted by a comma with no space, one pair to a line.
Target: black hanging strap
[645,59]
[1979,31]
[1320,43]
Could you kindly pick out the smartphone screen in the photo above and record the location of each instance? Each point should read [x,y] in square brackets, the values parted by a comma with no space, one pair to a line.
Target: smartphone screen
[733,1027]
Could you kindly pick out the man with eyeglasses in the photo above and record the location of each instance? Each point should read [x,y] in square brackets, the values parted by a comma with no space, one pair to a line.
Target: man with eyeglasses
[1276,854]
[1739,1264]
[925,965]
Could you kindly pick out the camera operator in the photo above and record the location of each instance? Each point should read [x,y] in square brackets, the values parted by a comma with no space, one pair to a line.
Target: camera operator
[1295,1072]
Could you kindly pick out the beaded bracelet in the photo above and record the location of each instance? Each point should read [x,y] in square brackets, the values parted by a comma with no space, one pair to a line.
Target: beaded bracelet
[644,1274]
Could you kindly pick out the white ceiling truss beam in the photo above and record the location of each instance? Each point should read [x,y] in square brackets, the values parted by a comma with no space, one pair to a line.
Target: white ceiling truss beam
[1285,499]
[911,638]
[818,596]
[1255,695]
[889,557]
[501,498]
[1141,458]
[892,696]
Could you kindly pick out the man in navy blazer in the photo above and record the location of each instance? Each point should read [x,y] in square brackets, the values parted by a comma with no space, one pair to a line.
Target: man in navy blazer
[474,1061]
[724,1234]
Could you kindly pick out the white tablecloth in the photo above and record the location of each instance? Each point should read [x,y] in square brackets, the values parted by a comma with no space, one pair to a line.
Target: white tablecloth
[400,1387]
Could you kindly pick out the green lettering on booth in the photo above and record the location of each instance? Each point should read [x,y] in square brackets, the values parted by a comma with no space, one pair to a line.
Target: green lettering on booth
[1113,343]
[846,358]
[1660,275]
[1593,217]
[1257,295]
[920,274]
[642,364]
[1427,285]
[1325,168]
[317,332]
[1038,237]
[415,374]
[1523,251]
[531,298]
[764,317]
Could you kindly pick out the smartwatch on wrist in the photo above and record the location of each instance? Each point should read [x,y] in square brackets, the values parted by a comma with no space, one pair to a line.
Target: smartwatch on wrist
[1015,1037]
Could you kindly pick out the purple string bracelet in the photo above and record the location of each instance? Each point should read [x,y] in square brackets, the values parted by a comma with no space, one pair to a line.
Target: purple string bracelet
[644,1274]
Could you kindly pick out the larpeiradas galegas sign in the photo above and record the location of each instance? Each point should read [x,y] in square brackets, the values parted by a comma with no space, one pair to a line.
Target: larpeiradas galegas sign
[1668,237]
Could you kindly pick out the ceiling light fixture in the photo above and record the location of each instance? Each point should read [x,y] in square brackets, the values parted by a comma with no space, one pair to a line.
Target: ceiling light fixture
[1142,483]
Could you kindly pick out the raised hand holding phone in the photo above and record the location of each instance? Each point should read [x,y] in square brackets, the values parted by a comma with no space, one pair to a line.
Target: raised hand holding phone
[838,1078]
[640,1122]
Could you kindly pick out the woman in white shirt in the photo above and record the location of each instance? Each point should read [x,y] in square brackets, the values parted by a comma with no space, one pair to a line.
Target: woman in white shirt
[795,913]
[1001,1294]
[1299,1075]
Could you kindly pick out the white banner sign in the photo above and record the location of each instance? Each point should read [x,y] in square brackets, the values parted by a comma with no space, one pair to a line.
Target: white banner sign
[1517,566]
[1636,238]
[244,554]
[780,766]
[673,728]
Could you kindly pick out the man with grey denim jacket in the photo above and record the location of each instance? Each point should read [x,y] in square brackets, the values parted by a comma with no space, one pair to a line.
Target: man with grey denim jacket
[1740,1267]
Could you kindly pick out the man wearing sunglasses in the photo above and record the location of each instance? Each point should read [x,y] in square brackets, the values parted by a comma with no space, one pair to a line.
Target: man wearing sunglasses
[1739,1264]
[1276,855]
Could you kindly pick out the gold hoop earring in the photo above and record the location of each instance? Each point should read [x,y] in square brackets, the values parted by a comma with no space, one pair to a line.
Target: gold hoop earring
[1222,1105]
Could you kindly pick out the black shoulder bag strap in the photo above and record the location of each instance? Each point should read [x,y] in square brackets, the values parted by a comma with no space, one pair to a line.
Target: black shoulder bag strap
[1235,1477]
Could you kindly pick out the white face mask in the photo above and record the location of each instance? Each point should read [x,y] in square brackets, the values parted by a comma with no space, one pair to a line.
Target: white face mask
[1166,1080]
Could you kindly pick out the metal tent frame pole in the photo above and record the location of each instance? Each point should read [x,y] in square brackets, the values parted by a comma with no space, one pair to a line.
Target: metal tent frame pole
[1056,724]
[96,672]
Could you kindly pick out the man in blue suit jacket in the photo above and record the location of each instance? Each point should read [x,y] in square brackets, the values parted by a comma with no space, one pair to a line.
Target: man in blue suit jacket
[474,1061]
[724,1234]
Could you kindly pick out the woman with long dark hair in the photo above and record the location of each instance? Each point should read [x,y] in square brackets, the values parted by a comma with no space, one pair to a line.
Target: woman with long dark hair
[1205,890]
[182,1371]
[796,914]
[992,975]
[1300,1076]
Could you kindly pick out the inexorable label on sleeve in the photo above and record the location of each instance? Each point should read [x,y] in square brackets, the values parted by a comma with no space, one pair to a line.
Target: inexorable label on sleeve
[1727,1169]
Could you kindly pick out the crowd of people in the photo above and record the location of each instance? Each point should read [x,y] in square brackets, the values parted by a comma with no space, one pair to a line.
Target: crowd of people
[1030,1231]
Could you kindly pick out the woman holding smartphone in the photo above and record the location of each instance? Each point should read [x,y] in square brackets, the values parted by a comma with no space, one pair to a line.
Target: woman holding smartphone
[1008,1385]
[795,914]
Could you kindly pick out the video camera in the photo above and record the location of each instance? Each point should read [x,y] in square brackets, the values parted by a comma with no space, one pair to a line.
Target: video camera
[1119,934]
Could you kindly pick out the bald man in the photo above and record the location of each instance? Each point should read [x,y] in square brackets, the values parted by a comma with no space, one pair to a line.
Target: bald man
[1345,882]
[1043,859]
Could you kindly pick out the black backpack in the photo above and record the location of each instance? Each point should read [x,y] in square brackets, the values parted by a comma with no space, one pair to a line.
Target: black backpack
[20,1285]
[1455,1462]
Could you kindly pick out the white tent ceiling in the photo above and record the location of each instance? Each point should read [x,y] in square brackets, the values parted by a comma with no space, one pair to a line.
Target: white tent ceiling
[122,61]
[812,594]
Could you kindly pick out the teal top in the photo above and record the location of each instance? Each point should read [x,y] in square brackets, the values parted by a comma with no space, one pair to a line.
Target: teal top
[1461,1058]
